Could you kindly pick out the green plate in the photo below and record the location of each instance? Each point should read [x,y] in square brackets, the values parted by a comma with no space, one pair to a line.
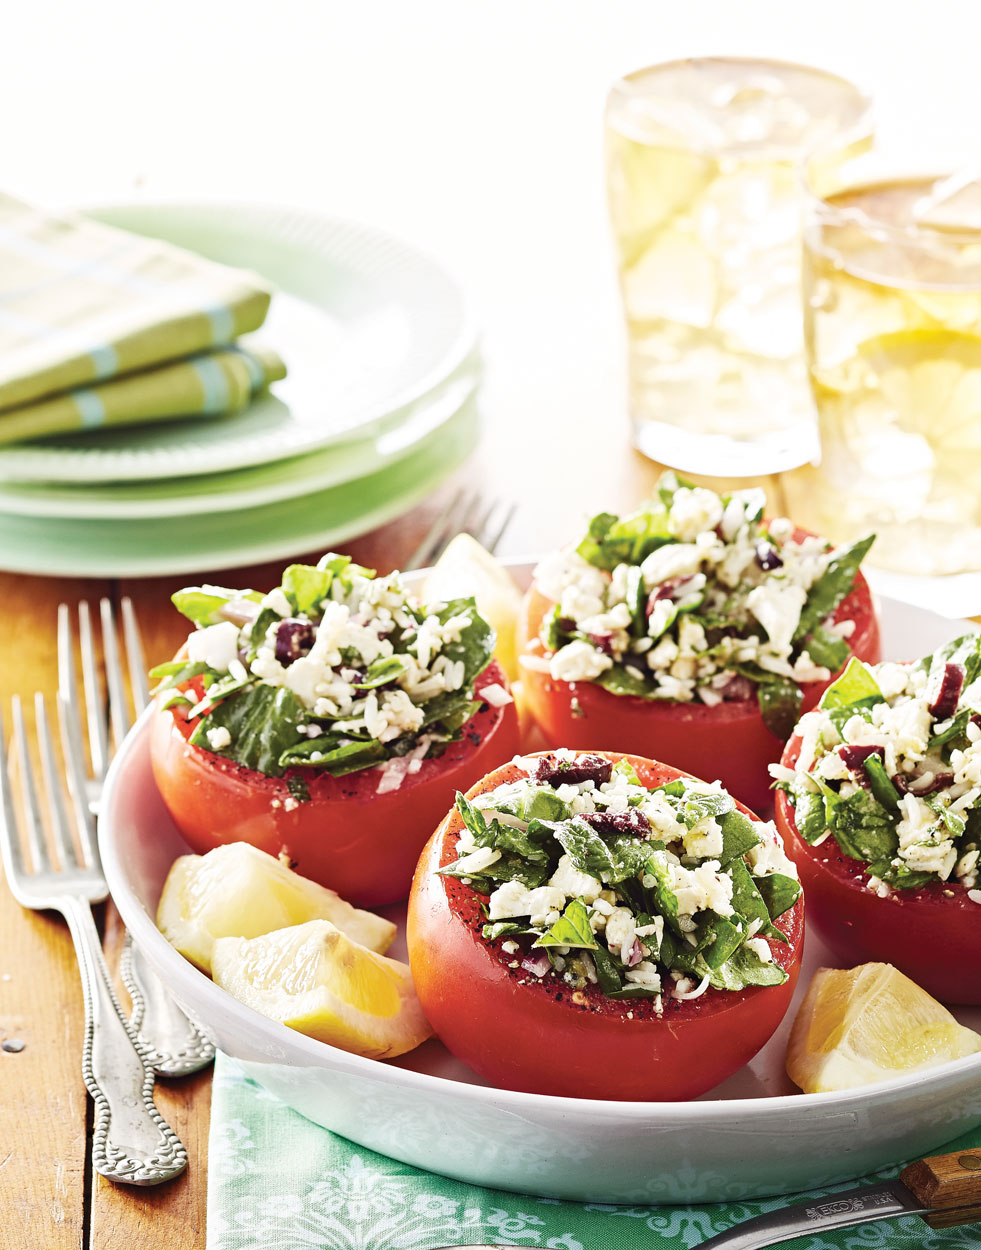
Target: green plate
[210,541]
[250,487]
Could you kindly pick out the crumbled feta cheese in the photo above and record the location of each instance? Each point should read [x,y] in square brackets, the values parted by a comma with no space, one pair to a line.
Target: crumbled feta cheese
[218,738]
[215,645]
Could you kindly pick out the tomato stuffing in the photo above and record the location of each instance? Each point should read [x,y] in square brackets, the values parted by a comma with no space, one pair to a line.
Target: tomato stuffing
[931,933]
[522,1024]
[347,835]
[692,631]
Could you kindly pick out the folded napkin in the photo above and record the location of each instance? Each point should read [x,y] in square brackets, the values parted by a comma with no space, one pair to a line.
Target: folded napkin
[276,1181]
[81,302]
[207,384]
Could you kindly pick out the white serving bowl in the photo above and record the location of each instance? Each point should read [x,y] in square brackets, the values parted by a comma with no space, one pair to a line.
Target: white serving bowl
[749,1137]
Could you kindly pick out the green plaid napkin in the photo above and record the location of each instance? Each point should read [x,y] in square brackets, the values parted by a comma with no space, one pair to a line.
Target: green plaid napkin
[276,1181]
[211,384]
[96,325]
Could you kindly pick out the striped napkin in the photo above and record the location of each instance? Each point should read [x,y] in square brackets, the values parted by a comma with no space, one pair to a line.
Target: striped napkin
[94,320]
[277,1181]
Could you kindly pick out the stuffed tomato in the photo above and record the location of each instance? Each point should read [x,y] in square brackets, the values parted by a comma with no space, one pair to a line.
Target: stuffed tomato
[880,804]
[330,721]
[597,925]
[692,631]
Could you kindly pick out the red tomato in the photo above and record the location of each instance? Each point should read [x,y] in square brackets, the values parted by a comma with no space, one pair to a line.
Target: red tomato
[727,743]
[349,837]
[933,934]
[519,1032]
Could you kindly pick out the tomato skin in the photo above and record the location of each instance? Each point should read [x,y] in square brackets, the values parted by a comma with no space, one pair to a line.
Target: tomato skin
[521,1033]
[360,843]
[933,937]
[727,743]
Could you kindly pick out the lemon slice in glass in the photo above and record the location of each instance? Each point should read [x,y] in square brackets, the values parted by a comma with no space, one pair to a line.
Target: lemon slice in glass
[466,568]
[314,979]
[239,891]
[867,1024]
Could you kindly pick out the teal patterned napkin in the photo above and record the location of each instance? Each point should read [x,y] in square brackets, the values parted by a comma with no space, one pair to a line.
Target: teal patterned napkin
[276,1181]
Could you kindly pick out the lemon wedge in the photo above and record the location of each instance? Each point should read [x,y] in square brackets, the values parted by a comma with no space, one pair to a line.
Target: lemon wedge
[867,1024]
[239,891]
[466,568]
[314,979]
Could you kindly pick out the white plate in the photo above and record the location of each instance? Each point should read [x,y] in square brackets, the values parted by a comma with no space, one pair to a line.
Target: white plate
[367,324]
[751,1136]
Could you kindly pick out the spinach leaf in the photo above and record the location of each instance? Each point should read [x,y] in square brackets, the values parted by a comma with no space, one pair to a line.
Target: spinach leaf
[954,823]
[964,650]
[382,671]
[476,645]
[697,805]
[262,721]
[618,681]
[203,604]
[306,588]
[780,700]
[665,899]
[779,892]
[832,586]
[827,648]
[611,540]
[882,788]
[863,828]
[726,938]
[747,901]
[899,876]
[616,860]
[505,928]
[738,836]
[607,971]
[636,596]
[571,929]
[855,688]
[327,756]
[746,968]
[176,672]
[809,815]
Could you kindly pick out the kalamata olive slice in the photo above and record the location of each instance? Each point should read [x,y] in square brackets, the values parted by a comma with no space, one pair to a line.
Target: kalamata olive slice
[556,772]
[951,684]
[631,822]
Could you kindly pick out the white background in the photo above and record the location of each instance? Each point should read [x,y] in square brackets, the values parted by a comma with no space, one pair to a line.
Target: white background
[474,128]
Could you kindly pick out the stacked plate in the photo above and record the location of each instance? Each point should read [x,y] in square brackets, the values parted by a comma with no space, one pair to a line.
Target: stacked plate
[378,407]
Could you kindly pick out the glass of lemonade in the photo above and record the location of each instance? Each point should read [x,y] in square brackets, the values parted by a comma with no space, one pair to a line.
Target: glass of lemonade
[703,167]
[892,300]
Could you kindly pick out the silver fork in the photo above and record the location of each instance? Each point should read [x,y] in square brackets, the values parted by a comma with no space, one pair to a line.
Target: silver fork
[172,1043]
[131,1142]
[467,511]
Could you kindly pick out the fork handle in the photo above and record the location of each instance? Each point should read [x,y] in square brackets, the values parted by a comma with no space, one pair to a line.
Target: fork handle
[172,1044]
[132,1142]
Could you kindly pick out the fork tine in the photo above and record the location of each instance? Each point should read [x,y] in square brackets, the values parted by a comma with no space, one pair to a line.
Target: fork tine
[94,707]
[58,818]
[73,751]
[134,655]
[13,855]
[434,535]
[118,709]
[32,809]
[493,541]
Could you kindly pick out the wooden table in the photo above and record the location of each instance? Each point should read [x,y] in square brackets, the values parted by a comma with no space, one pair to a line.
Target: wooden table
[51,1199]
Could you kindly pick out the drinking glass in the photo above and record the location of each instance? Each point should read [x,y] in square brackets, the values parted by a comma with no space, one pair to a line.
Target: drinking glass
[703,170]
[892,301]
